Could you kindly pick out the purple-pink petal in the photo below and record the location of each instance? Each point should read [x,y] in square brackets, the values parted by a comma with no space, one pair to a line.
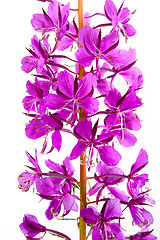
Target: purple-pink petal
[53,101]
[111,9]
[141,217]
[30,226]
[89,105]
[90,215]
[86,84]
[133,76]
[117,193]
[35,129]
[41,22]
[67,164]
[66,83]
[130,30]
[131,101]
[25,180]
[124,15]
[131,121]
[84,59]
[113,208]
[54,209]
[56,140]
[112,99]
[116,229]
[84,128]
[96,235]
[77,150]
[141,161]
[29,63]
[125,138]
[65,13]
[89,36]
[109,155]
[108,41]
[55,167]
[70,203]
[45,187]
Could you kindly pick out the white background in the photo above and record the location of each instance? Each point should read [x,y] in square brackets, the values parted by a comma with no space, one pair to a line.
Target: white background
[16,32]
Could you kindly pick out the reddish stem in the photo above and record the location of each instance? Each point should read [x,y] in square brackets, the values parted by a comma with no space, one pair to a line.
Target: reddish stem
[82,225]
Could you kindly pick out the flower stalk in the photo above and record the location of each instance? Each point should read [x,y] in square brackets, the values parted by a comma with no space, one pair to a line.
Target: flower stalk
[82,224]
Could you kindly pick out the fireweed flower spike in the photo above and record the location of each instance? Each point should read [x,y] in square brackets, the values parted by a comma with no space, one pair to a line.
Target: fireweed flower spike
[78,96]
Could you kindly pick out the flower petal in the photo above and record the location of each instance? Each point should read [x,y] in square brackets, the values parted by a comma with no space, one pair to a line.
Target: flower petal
[70,203]
[84,59]
[110,9]
[113,208]
[130,30]
[141,161]
[125,138]
[141,217]
[53,101]
[77,150]
[96,234]
[84,128]
[57,140]
[109,155]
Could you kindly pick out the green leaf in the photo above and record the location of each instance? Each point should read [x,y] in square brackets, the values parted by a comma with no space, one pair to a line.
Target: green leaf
[89,231]
[56,235]
[66,219]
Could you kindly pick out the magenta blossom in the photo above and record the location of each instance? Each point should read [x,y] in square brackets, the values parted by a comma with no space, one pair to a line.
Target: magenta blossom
[119,18]
[27,179]
[87,139]
[73,95]
[140,216]
[145,234]
[120,116]
[135,182]
[94,46]
[123,64]
[107,176]
[42,126]
[37,91]
[125,67]
[31,227]
[104,225]
[59,194]
[39,55]
[58,187]
[54,20]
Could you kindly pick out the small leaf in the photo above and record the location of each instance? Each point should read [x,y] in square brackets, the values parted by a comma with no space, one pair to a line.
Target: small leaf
[57,235]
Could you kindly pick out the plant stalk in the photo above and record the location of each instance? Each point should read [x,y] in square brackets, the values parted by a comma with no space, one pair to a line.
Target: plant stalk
[83,178]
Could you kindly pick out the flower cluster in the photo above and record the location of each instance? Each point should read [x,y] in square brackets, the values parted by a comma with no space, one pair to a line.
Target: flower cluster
[93,110]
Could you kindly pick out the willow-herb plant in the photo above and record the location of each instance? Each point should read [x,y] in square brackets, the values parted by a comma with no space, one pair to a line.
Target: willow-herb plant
[83,101]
